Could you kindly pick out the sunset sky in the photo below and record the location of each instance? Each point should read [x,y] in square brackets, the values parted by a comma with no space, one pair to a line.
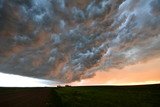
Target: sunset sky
[79,42]
[140,73]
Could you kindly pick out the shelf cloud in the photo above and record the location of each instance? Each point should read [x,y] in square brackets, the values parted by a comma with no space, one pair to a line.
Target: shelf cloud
[67,40]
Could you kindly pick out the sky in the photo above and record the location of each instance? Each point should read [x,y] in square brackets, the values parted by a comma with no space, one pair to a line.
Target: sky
[141,73]
[10,80]
[80,41]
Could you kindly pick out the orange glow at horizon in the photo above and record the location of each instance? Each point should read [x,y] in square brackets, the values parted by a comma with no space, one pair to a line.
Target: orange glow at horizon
[140,73]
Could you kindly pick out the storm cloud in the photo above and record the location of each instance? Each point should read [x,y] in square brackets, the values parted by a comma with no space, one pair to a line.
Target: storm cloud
[69,40]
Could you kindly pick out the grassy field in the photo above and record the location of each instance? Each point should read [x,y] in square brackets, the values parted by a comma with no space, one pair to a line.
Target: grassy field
[109,96]
[89,96]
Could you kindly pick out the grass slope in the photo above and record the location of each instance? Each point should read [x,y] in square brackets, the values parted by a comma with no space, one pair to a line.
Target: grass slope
[110,96]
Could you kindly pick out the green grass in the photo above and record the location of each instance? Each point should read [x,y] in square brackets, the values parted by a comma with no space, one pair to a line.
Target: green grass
[109,96]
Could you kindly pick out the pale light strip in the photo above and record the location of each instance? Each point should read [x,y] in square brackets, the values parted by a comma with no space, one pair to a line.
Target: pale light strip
[113,83]
[10,80]
[134,83]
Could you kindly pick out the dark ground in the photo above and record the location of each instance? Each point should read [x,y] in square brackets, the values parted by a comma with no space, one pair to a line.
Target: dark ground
[29,97]
[89,96]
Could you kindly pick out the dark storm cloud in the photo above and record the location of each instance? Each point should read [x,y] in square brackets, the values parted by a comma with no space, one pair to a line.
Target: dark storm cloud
[155,7]
[1,4]
[69,40]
